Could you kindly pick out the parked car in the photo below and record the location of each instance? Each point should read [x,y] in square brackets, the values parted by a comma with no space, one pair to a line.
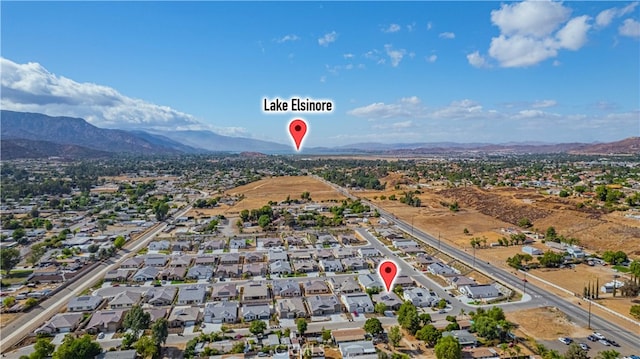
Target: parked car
[598,335]
[604,342]
[592,338]
[584,346]
[564,340]
[101,335]
[613,342]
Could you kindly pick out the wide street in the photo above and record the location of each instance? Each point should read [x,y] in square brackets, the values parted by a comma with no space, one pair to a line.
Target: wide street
[28,322]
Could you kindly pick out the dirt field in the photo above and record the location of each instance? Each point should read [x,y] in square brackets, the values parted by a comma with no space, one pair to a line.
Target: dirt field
[545,323]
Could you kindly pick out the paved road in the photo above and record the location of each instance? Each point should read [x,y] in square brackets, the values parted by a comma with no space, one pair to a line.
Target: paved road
[628,339]
[28,322]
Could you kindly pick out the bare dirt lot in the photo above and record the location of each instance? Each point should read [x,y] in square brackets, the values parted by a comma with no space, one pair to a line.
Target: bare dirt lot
[545,323]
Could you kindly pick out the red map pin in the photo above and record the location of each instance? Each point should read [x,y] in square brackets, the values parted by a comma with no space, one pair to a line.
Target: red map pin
[297,129]
[388,271]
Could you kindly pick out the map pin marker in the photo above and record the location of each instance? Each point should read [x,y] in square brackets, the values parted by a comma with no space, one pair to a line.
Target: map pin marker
[297,129]
[388,271]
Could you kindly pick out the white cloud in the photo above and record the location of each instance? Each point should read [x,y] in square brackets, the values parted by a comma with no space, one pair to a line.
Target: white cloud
[431,58]
[406,107]
[323,78]
[328,38]
[477,60]
[411,27]
[447,35]
[289,37]
[534,31]
[32,88]
[605,17]
[348,56]
[630,28]
[530,18]
[544,104]
[574,34]
[391,28]
[395,55]
[429,25]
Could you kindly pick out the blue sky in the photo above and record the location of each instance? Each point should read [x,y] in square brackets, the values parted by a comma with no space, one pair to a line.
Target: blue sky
[396,72]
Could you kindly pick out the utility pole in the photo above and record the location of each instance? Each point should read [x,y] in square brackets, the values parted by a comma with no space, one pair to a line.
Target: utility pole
[524,284]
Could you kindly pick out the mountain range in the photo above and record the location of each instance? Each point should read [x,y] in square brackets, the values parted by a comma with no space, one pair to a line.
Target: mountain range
[34,135]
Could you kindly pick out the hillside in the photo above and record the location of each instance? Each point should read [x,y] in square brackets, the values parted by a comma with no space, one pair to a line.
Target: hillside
[627,146]
[11,149]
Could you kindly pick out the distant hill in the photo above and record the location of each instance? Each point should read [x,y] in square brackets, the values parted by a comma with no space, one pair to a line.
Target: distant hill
[11,149]
[628,146]
[214,142]
[74,131]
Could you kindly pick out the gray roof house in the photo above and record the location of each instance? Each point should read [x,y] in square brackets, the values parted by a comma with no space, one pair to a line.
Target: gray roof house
[280,267]
[146,274]
[156,260]
[160,296]
[277,255]
[465,338]
[361,350]
[354,263]
[228,270]
[323,304]
[200,272]
[255,292]
[191,295]
[315,286]
[420,297]
[224,292]
[344,285]
[132,263]
[369,252]
[390,299]
[253,257]
[230,258]
[159,245]
[291,308]
[254,269]
[221,312]
[442,269]
[359,303]
[184,316]
[331,265]
[105,321]
[256,312]
[237,243]
[305,266]
[61,323]
[371,281]
[204,260]
[480,291]
[85,303]
[126,299]
[287,288]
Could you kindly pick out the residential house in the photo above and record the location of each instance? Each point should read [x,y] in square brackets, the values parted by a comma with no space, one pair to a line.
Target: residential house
[255,269]
[270,242]
[61,323]
[191,295]
[253,257]
[105,321]
[348,239]
[159,245]
[155,260]
[344,285]
[256,312]
[287,288]
[160,296]
[324,254]
[84,303]
[323,304]
[230,258]
[305,266]
[331,265]
[214,244]
[358,303]
[184,316]
[399,243]
[343,252]
[420,297]
[125,300]
[233,270]
[223,292]
[200,272]
[181,261]
[360,350]
[120,354]
[252,292]
[132,263]
[118,275]
[326,239]
[404,281]
[390,299]
[348,335]
[277,255]
[412,250]
[423,261]
[300,255]
[480,353]
[459,281]
[368,252]
[280,267]
[237,243]
[480,291]
[465,338]
[291,308]
[173,273]
[372,281]
[204,260]
[156,313]
[294,241]
[145,274]
[181,246]
[354,264]
[221,312]
[441,269]
[315,286]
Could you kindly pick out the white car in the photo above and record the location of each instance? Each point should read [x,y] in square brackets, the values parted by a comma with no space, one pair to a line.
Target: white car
[604,342]
[564,340]
[101,335]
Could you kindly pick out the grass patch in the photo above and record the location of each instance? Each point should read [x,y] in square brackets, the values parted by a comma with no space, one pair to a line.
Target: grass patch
[293,275]
[21,273]
[622,269]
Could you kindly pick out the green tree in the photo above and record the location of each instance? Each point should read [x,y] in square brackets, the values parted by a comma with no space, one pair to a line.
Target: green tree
[326,335]
[486,327]
[43,349]
[264,221]
[128,340]
[160,331]
[575,352]
[551,259]
[551,233]
[408,317]
[301,324]
[525,223]
[9,302]
[161,209]
[146,347]
[9,258]
[635,311]
[429,334]
[31,302]
[257,327]
[136,320]
[614,257]
[634,268]
[77,348]
[380,308]
[395,335]
[373,326]
[608,354]
[119,242]
[448,348]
